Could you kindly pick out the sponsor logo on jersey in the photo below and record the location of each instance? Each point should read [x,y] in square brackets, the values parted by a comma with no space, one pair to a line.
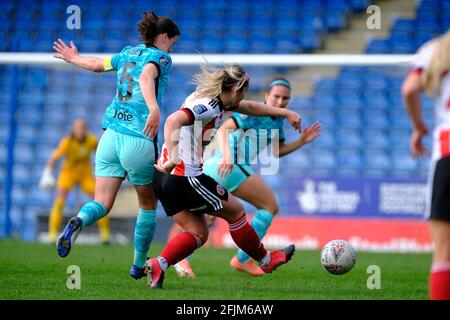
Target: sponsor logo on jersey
[200,108]
[163,61]
[122,115]
[220,190]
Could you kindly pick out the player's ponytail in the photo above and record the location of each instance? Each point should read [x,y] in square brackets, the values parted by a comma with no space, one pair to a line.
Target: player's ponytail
[440,63]
[211,82]
[151,26]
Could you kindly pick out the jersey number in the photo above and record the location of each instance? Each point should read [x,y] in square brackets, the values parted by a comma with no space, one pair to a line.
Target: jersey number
[127,77]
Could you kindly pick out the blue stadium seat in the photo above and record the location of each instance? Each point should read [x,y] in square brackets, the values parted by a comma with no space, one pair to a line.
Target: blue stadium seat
[294,161]
[349,99]
[348,118]
[379,46]
[21,173]
[349,161]
[327,118]
[399,119]
[335,20]
[310,40]
[323,159]
[403,163]
[375,119]
[348,138]
[375,139]
[326,140]
[376,162]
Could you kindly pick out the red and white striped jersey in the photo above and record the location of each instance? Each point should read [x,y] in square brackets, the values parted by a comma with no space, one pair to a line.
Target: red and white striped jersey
[205,116]
[441,133]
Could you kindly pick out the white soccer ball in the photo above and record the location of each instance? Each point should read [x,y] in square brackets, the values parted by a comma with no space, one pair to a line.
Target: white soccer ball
[338,257]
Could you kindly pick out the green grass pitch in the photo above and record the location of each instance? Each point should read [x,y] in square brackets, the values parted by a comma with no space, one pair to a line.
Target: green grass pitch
[34,271]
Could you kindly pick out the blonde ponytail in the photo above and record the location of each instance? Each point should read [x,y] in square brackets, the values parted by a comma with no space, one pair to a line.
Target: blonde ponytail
[211,82]
[440,63]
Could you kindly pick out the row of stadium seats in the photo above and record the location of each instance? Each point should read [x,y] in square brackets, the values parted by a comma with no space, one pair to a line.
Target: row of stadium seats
[407,35]
[206,26]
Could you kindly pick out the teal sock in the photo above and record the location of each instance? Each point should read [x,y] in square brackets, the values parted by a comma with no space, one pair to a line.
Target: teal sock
[91,212]
[143,235]
[261,223]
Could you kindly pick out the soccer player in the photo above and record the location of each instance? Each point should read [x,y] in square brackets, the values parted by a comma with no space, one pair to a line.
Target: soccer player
[186,193]
[242,181]
[75,170]
[431,75]
[128,147]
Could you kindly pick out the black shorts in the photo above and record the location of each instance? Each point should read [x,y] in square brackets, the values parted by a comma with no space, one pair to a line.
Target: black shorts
[440,192]
[199,194]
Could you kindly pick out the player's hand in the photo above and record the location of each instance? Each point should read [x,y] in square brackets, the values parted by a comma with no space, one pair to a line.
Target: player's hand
[416,146]
[165,167]
[294,119]
[64,52]
[152,124]
[225,167]
[47,181]
[311,133]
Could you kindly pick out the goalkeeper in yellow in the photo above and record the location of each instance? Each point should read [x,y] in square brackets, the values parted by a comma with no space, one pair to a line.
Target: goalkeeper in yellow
[76,169]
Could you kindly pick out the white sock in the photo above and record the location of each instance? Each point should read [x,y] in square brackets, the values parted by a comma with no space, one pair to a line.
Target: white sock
[266,260]
[163,263]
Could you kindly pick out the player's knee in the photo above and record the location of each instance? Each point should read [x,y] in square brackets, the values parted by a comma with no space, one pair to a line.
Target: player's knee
[442,251]
[202,236]
[147,199]
[107,204]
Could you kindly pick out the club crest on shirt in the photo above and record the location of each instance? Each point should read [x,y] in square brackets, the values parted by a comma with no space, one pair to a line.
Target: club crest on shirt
[199,109]
[220,190]
[163,61]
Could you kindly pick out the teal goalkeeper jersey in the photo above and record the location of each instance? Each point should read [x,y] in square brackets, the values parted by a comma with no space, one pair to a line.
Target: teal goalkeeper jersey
[128,111]
[253,135]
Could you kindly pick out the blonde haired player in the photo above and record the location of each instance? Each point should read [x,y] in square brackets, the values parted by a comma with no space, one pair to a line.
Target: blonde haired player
[186,193]
[431,74]
[76,169]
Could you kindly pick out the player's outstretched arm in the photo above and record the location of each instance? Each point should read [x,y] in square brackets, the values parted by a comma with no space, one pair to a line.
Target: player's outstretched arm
[257,109]
[308,134]
[70,55]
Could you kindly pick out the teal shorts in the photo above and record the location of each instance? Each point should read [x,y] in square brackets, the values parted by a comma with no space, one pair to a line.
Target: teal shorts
[122,155]
[233,180]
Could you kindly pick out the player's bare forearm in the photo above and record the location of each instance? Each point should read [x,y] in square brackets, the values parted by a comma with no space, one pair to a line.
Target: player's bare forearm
[51,163]
[147,85]
[93,64]
[411,95]
[69,53]
[254,108]
[222,135]
[172,129]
